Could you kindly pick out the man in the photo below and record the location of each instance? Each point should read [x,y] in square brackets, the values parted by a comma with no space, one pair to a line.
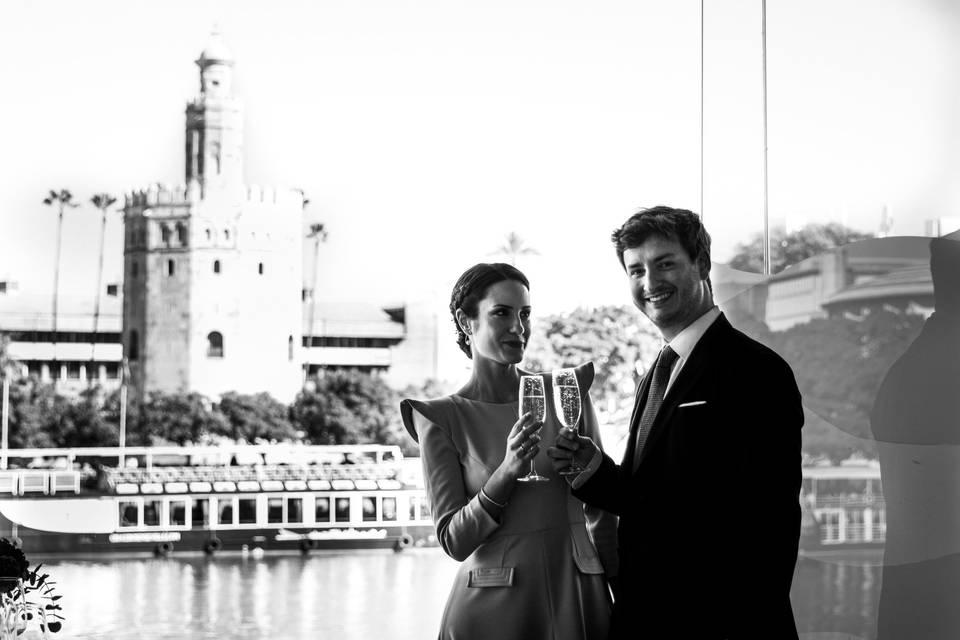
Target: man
[707,491]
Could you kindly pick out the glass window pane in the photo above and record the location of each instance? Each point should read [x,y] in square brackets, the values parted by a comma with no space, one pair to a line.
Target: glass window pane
[342,513]
[128,514]
[178,513]
[225,508]
[294,509]
[274,510]
[369,509]
[200,514]
[151,513]
[247,511]
[322,511]
[389,508]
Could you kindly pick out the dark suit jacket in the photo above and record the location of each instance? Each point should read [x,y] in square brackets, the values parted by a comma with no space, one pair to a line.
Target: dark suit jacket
[710,520]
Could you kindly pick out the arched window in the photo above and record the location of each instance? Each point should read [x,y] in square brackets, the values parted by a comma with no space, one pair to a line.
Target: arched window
[182,234]
[290,348]
[165,234]
[226,234]
[214,344]
[133,346]
[216,266]
[209,234]
[171,267]
[260,268]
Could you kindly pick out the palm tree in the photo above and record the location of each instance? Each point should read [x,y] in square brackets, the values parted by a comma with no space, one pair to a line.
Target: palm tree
[101,201]
[63,199]
[514,247]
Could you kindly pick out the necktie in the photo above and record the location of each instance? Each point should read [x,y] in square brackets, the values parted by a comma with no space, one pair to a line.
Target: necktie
[658,385]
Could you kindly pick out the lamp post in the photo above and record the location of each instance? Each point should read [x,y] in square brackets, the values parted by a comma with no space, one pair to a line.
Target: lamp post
[124,374]
[5,418]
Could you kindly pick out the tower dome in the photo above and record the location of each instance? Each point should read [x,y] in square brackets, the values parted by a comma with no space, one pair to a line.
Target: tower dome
[216,52]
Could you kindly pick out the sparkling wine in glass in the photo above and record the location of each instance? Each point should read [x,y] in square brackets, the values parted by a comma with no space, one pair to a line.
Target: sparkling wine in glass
[533,400]
[566,404]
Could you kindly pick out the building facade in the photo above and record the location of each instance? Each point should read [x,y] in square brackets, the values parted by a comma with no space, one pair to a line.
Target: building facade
[212,298]
[212,269]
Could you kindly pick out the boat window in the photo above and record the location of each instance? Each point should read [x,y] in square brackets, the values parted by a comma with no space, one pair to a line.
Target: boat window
[369,509]
[178,513]
[413,508]
[225,509]
[151,513]
[342,513]
[294,509]
[247,510]
[200,514]
[389,509]
[128,514]
[274,510]
[322,510]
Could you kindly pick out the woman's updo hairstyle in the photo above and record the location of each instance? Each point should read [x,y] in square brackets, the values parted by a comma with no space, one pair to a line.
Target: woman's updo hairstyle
[472,287]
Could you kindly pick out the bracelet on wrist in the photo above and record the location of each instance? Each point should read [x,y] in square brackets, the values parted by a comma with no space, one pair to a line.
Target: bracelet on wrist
[491,500]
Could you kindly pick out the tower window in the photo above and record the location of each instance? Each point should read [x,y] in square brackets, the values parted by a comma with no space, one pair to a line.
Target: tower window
[134,269]
[182,234]
[171,267]
[216,266]
[226,234]
[113,290]
[214,344]
[133,346]
[260,268]
[290,348]
[209,234]
[165,234]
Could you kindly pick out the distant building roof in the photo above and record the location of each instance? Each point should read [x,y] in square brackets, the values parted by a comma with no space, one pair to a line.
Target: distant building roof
[351,319]
[25,311]
[910,283]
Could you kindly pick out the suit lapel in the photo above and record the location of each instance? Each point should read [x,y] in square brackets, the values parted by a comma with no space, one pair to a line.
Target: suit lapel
[693,368]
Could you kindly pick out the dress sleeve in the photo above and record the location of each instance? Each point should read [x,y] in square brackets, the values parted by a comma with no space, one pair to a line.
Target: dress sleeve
[601,525]
[461,521]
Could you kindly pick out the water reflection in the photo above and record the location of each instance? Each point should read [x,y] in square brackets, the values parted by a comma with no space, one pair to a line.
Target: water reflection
[360,595]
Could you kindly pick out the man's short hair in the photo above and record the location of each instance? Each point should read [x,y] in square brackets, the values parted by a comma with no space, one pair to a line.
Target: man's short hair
[682,225]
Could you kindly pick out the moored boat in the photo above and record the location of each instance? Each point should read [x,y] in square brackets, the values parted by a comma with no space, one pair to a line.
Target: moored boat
[212,499]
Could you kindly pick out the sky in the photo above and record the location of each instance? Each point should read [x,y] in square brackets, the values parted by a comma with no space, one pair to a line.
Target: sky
[424,131]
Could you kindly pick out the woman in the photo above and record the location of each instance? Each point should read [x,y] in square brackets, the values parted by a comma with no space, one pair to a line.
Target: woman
[530,569]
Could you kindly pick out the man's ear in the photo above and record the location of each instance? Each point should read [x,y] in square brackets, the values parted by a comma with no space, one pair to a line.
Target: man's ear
[703,265]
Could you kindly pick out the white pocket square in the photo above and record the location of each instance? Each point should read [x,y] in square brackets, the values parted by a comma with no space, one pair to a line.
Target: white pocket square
[691,404]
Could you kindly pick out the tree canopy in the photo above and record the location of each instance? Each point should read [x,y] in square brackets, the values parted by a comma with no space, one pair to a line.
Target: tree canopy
[787,249]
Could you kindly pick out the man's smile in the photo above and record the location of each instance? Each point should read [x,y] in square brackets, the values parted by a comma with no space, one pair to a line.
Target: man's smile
[658,298]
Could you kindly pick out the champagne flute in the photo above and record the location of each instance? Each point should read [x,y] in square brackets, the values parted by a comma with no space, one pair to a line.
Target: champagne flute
[533,400]
[566,405]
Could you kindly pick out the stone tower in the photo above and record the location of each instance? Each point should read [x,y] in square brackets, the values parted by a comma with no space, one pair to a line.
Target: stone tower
[212,268]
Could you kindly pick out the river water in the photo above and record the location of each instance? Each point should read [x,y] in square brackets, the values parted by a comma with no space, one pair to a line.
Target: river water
[355,595]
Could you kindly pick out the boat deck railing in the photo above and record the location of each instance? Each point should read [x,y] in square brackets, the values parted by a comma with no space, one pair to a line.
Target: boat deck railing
[258,473]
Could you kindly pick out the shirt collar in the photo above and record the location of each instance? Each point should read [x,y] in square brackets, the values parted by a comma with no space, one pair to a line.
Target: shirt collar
[687,339]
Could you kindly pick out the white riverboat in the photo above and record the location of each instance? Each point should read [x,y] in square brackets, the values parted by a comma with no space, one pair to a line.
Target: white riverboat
[212,499]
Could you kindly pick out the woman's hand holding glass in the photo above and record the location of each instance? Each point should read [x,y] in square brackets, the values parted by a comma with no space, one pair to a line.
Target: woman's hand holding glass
[523,445]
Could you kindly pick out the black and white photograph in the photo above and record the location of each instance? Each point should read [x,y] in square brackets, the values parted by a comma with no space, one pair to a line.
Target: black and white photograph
[509,320]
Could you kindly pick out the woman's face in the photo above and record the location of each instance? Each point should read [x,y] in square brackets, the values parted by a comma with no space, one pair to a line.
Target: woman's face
[502,327]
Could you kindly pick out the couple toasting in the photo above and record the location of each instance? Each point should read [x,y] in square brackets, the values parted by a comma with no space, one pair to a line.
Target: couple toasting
[706,494]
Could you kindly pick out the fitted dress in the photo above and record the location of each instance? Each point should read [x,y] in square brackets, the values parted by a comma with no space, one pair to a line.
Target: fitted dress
[539,572]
